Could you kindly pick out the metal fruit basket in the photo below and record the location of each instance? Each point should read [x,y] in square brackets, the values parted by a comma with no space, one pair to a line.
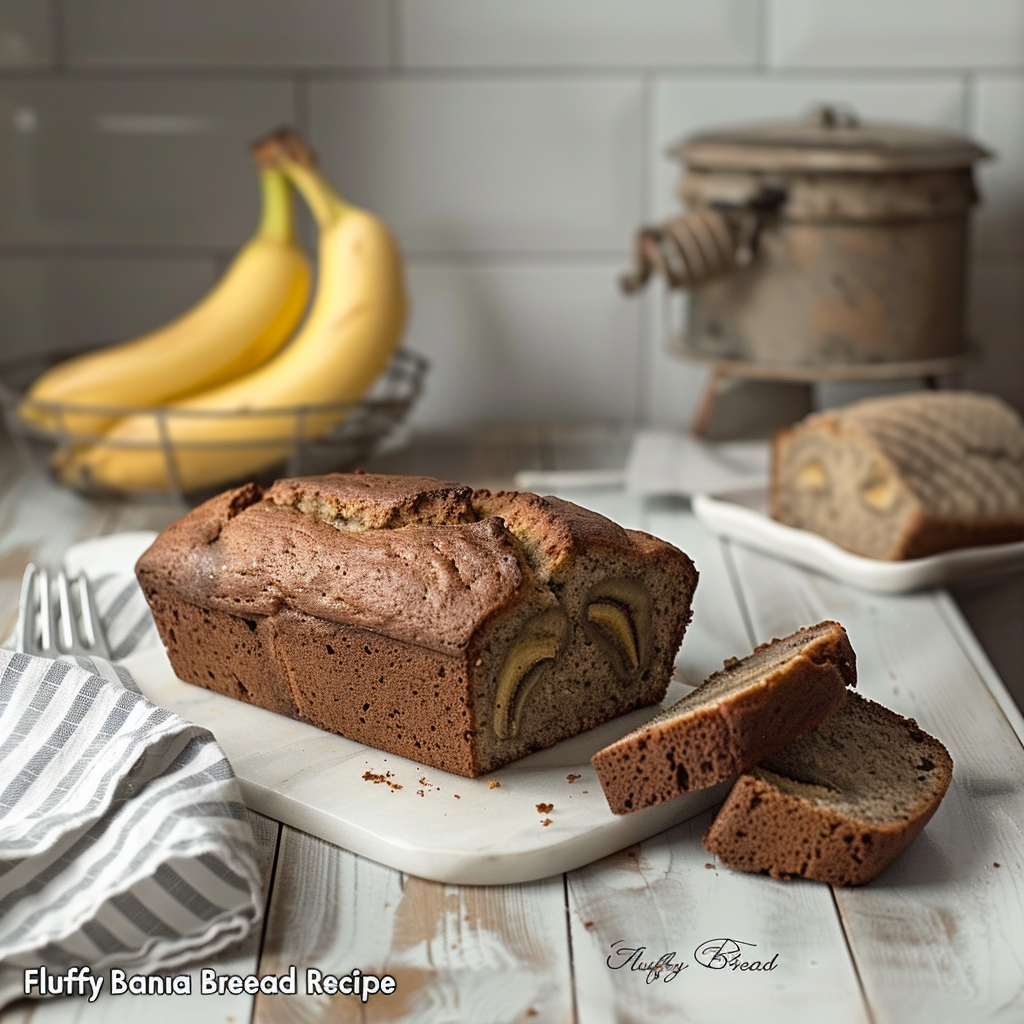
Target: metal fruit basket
[361,427]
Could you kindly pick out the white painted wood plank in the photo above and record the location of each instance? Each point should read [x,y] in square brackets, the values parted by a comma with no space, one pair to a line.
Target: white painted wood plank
[980,659]
[662,896]
[669,896]
[937,936]
[457,953]
[168,1009]
[718,630]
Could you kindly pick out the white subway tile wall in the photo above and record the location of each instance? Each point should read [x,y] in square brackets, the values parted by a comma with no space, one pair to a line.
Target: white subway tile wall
[227,33]
[901,34]
[525,341]
[579,33]
[24,34]
[514,147]
[71,303]
[489,167]
[157,163]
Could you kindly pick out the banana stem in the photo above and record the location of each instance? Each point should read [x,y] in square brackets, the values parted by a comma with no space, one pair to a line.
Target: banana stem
[276,219]
[327,206]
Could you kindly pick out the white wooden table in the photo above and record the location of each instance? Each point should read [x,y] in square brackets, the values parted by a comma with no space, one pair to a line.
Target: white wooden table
[938,937]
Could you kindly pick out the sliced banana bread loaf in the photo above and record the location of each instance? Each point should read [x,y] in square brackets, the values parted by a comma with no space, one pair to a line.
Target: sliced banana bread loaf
[732,720]
[837,804]
[904,476]
[460,628]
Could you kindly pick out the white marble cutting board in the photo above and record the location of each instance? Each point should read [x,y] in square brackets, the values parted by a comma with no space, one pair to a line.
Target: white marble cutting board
[420,820]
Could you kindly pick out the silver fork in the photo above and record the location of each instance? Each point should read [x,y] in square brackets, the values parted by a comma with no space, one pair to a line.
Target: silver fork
[59,617]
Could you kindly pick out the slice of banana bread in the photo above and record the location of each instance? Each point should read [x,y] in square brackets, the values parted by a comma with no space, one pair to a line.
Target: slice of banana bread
[456,627]
[837,804]
[904,476]
[732,720]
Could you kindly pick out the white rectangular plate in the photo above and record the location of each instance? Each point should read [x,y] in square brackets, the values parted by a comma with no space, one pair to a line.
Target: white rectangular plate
[420,820]
[742,516]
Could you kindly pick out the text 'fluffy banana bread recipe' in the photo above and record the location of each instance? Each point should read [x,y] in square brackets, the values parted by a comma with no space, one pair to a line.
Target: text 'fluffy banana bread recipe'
[458,627]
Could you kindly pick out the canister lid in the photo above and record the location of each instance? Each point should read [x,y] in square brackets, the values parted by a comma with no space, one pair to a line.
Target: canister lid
[829,139]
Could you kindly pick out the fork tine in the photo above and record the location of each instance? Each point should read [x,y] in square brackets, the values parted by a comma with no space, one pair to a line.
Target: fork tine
[25,633]
[67,635]
[92,627]
[46,623]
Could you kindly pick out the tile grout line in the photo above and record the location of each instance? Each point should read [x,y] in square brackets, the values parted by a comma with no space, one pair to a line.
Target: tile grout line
[58,38]
[396,55]
[764,17]
[645,331]
[511,73]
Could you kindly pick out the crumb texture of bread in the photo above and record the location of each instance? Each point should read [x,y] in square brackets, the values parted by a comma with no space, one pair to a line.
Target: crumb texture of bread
[904,476]
[838,804]
[461,628]
[732,720]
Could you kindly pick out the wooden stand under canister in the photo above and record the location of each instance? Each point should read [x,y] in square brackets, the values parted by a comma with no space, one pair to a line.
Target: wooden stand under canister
[822,250]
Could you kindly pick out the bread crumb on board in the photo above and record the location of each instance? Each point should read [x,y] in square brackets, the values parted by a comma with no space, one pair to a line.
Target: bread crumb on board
[377,779]
[546,822]
[571,778]
[494,784]
[545,808]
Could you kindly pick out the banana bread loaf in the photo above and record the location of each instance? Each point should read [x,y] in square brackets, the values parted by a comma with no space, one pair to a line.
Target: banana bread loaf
[837,804]
[904,476]
[461,628]
[733,719]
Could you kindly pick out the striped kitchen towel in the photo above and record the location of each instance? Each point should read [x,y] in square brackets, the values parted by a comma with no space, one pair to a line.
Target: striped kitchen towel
[123,838]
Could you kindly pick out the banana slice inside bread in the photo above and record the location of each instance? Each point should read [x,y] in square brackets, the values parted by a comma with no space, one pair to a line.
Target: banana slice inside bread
[837,804]
[732,720]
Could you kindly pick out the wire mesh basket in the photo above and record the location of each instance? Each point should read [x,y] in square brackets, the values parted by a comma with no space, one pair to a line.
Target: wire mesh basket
[292,441]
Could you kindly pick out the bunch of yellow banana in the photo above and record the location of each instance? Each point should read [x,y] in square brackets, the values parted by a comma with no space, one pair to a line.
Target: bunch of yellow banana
[234,422]
[250,313]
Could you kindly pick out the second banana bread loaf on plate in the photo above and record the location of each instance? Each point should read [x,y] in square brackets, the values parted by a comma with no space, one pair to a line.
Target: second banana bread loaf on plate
[460,628]
[904,476]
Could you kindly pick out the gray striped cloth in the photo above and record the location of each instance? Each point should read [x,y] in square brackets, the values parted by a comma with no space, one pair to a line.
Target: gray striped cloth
[123,838]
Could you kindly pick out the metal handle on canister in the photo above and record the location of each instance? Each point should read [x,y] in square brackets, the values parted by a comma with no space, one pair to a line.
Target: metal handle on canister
[707,242]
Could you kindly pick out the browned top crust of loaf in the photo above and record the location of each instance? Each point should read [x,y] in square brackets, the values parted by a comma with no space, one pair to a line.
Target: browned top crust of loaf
[419,559]
[732,720]
[550,529]
[838,804]
[376,501]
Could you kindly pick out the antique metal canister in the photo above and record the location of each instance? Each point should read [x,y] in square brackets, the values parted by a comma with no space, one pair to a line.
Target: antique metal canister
[821,249]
